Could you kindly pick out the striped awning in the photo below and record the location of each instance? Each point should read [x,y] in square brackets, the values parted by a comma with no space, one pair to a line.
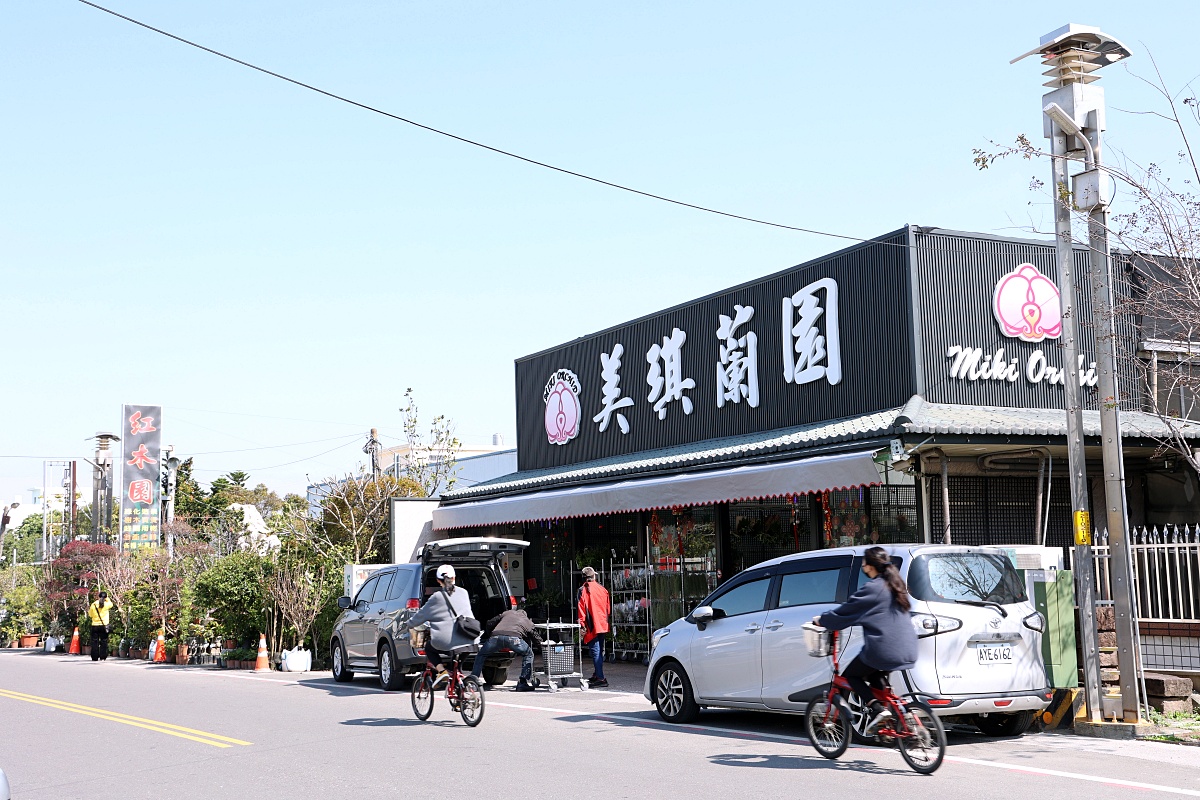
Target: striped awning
[750,482]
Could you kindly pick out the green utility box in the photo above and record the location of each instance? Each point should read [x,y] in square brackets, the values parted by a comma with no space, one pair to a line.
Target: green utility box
[1054,597]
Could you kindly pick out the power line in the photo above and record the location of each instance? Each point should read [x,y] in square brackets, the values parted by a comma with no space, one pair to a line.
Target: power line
[473,142]
[274,446]
[252,470]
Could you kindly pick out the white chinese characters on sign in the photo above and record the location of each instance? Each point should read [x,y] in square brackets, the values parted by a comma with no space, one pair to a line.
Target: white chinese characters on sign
[665,376]
[808,354]
[737,371]
[610,372]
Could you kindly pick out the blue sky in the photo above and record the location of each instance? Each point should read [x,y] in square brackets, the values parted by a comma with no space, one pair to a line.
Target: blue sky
[288,265]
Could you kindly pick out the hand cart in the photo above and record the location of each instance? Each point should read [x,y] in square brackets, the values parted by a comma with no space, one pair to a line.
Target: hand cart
[561,652]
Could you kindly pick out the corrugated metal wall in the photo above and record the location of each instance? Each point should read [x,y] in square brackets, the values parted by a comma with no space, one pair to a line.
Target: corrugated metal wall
[875,314]
[957,276]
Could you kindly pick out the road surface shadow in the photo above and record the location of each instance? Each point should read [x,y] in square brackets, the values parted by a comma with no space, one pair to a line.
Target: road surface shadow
[391,722]
[857,766]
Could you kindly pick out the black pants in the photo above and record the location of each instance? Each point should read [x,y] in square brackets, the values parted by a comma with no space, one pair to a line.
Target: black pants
[99,642]
[862,677]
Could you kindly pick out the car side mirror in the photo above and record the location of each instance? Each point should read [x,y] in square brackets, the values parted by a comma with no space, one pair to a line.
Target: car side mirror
[343,603]
[702,615]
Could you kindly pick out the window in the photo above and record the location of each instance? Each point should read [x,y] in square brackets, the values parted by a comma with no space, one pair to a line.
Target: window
[862,576]
[807,588]
[368,589]
[381,588]
[745,598]
[965,577]
[399,584]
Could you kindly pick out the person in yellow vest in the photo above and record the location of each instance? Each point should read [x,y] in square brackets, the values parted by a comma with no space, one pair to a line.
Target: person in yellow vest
[98,614]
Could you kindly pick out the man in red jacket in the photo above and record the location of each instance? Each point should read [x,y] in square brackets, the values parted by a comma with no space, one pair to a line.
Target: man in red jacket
[593,605]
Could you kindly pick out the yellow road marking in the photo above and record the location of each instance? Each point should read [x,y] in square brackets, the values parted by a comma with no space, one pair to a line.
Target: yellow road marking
[203,737]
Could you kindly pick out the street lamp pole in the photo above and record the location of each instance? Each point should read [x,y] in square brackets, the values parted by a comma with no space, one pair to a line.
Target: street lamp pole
[1074,122]
[172,481]
[4,518]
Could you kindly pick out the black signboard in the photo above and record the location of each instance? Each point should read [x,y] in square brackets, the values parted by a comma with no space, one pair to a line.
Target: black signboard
[824,340]
[991,325]
[141,493]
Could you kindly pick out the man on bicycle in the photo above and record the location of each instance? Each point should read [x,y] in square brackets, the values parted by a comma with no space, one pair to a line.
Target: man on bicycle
[440,613]
[881,608]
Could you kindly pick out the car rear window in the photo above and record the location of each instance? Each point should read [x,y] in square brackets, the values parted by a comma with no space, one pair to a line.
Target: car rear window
[399,584]
[807,588]
[971,577]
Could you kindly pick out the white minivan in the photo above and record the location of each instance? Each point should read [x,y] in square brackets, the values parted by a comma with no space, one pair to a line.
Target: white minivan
[980,658]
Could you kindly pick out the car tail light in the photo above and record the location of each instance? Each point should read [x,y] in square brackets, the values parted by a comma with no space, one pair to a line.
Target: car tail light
[936,701]
[1035,622]
[1002,703]
[413,604]
[420,652]
[512,601]
[933,624]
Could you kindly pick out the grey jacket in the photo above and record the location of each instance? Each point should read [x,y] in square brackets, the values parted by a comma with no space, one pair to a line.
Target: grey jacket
[440,617]
[891,640]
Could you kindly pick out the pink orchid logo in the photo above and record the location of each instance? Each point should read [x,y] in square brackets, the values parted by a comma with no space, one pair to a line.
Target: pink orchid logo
[1026,304]
[562,407]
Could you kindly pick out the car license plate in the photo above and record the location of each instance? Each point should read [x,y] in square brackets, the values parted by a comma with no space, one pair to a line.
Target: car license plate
[991,654]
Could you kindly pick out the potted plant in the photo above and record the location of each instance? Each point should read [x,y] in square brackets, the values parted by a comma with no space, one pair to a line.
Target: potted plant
[30,639]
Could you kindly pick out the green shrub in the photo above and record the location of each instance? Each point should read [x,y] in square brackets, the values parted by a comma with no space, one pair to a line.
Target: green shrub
[234,590]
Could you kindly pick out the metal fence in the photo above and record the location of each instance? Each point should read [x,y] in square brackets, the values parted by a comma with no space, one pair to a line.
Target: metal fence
[1166,572]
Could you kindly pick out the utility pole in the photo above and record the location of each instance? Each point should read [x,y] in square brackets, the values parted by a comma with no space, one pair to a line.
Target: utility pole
[1074,121]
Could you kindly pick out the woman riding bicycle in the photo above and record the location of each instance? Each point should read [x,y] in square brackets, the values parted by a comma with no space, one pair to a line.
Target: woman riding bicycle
[881,608]
[440,612]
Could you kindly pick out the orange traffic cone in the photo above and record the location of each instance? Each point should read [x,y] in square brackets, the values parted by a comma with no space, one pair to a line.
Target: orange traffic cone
[160,649]
[74,649]
[262,663]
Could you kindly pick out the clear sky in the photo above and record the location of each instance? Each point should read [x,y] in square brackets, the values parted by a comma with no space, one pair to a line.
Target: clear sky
[276,267]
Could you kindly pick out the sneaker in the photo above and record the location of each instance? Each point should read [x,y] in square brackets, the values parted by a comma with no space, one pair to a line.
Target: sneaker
[878,713]
[522,686]
[598,683]
[441,678]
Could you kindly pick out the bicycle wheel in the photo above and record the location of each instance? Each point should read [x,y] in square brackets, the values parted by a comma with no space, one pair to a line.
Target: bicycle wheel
[470,700]
[828,727]
[924,744]
[422,696]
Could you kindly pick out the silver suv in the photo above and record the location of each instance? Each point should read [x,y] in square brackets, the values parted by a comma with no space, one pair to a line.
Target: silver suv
[367,635]
[979,656]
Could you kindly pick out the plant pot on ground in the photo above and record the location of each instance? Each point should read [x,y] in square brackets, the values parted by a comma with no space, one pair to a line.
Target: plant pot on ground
[29,640]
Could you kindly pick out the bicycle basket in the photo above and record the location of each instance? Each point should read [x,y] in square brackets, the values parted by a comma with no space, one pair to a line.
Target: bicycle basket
[818,640]
[417,637]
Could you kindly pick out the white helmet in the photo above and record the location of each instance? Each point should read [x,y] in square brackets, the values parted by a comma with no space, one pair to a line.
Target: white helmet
[445,571]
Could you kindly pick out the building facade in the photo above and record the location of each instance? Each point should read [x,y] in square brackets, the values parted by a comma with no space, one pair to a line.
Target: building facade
[855,398]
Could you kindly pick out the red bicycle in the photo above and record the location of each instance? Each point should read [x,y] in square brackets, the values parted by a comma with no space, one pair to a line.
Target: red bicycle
[908,721]
[463,690]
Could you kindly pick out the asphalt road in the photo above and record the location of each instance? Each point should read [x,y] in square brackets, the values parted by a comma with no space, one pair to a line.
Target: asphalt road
[73,728]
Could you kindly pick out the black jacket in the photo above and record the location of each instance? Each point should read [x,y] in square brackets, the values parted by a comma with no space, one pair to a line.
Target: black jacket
[514,623]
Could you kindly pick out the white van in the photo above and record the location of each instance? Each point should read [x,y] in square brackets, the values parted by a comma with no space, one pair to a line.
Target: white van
[980,657]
